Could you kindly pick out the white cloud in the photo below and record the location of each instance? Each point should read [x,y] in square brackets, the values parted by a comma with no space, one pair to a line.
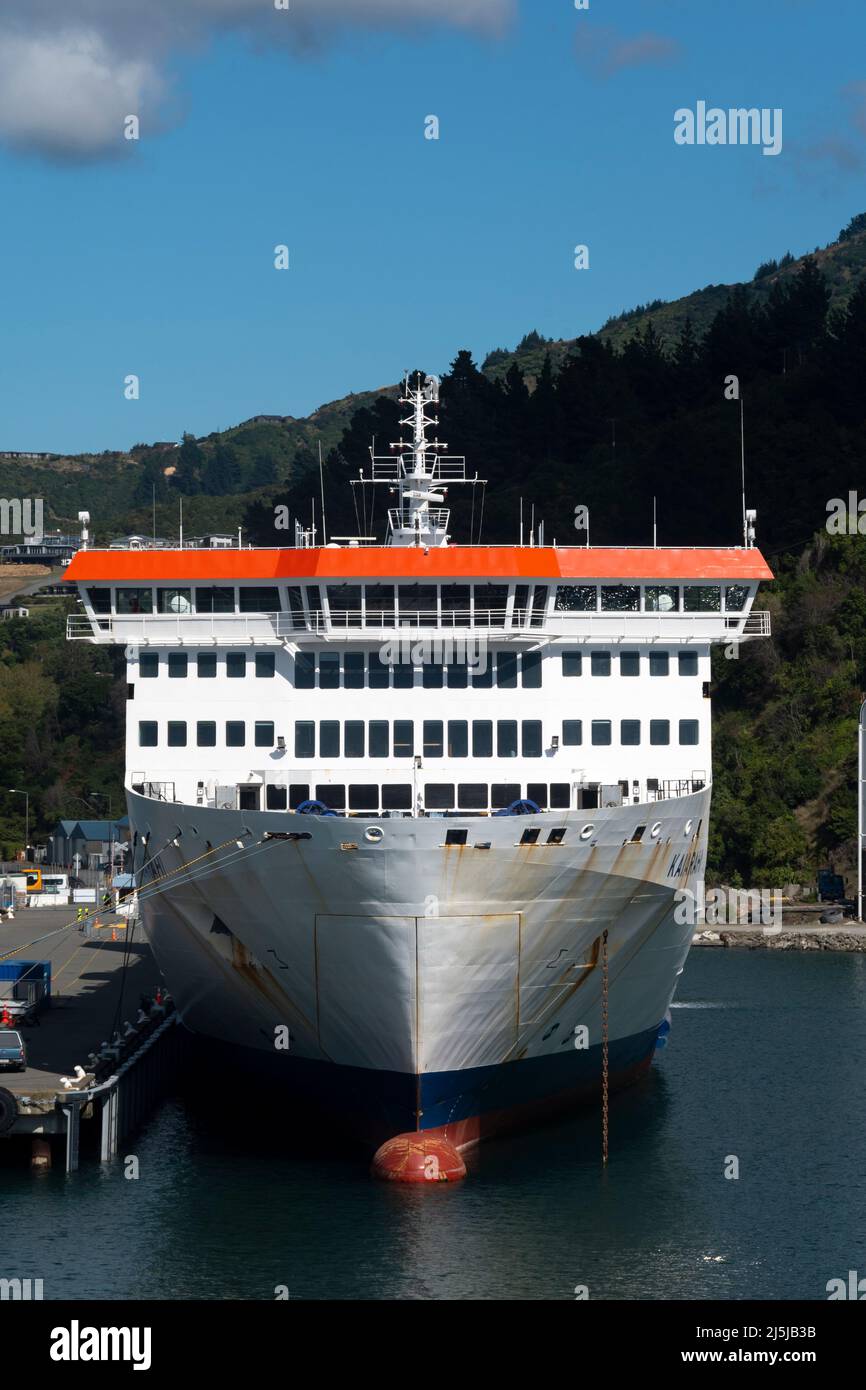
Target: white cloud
[64,92]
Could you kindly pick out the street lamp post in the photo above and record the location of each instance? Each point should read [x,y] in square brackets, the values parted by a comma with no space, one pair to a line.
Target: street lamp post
[26,795]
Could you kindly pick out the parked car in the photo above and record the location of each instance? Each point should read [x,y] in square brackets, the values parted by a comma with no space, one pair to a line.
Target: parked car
[13,1056]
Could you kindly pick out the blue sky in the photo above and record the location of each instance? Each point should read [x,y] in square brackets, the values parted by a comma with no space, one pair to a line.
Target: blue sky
[556,129]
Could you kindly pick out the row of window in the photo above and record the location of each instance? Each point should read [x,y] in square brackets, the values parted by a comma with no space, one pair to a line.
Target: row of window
[452,738]
[178,664]
[458,605]
[600,663]
[438,796]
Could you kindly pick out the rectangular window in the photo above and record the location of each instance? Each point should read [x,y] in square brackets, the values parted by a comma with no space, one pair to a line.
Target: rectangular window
[600,663]
[379,605]
[364,798]
[506,670]
[214,600]
[264,734]
[305,671]
[418,605]
[299,792]
[530,738]
[482,738]
[236,733]
[404,675]
[177,733]
[601,732]
[688,663]
[296,607]
[379,738]
[174,601]
[490,604]
[353,670]
[439,796]
[100,600]
[206,665]
[329,738]
[572,663]
[662,598]
[506,738]
[333,797]
[397,798]
[148,665]
[457,673]
[276,798]
[353,734]
[689,731]
[432,675]
[537,792]
[620,598]
[236,664]
[205,733]
[702,598]
[576,598]
[660,732]
[314,603]
[177,665]
[482,676]
[404,738]
[502,794]
[539,606]
[305,739]
[252,599]
[147,733]
[380,672]
[629,732]
[736,597]
[344,604]
[456,602]
[472,796]
[560,796]
[629,663]
[266,664]
[530,674]
[130,601]
[572,732]
[659,663]
[433,738]
[458,738]
[329,671]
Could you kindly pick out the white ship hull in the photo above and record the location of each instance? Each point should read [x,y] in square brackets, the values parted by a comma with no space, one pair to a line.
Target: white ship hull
[419,986]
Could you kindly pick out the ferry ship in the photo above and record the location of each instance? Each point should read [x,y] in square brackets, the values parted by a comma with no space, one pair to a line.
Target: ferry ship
[410,819]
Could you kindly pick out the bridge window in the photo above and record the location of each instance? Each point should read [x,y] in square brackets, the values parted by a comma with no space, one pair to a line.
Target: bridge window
[576,598]
[456,603]
[214,600]
[539,606]
[100,600]
[662,598]
[264,733]
[266,664]
[379,605]
[379,738]
[482,738]
[572,732]
[205,733]
[275,798]
[148,665]
[236,664]
[660,732]
[314,603]
[600,663]
[305,671]
[702,598]
[530,738]
[629,732]
[472,796]
[530,674]
[502,794]
[520,611]
[329,671]
[147,733]
[601,736]
[490,604]
[688,663]
[572,663]
[629,663]
[439,796]
[659,663]
[305,739]
[397,798]
[736,597]
[177,665]
[620,598]
[458,738]
[206,665]
[353,670]
[688,731]
[174,601]
[364,798]
[177,733]
[344,604]
[130,601]
[418,604]
[296,607]
[433,738]
[506,738]
[506,670]
[329,738]
[404,738]
[354,739]
[252,599]
[236,733]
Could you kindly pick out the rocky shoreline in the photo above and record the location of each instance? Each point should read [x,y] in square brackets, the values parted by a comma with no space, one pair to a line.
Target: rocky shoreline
[837,936]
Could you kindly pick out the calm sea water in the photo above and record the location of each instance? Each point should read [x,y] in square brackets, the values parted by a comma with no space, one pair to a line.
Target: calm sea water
[766,1062]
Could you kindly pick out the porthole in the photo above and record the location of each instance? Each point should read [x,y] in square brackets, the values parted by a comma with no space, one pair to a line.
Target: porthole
[688,828]
[656,829]
[586,832]
[373,834]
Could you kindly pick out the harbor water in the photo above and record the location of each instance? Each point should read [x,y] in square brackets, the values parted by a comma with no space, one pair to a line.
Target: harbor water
[762,1077]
